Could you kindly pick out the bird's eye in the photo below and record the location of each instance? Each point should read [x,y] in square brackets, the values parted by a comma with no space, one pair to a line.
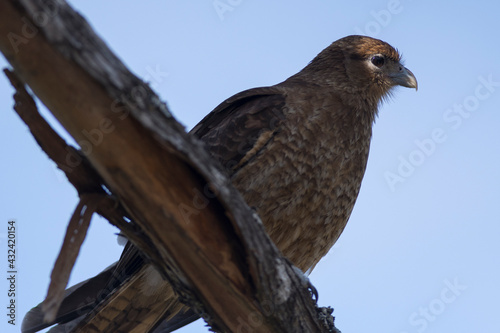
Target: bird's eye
[378,61]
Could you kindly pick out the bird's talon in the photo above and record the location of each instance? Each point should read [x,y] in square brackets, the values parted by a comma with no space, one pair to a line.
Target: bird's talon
[314,293]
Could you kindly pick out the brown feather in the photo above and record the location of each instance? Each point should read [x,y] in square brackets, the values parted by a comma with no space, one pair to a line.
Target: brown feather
[297,151]
[238,124]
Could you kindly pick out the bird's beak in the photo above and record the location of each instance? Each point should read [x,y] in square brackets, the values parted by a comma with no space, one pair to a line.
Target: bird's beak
[404,77]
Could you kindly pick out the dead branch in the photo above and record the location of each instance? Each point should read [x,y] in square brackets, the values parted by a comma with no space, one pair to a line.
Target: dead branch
[205,239]
[75,235]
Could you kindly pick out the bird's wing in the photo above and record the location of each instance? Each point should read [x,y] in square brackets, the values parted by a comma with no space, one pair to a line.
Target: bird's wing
[234,132]
[82,297]
[136,306]
[78,299]
[242,125]
[114,301]
[181,319]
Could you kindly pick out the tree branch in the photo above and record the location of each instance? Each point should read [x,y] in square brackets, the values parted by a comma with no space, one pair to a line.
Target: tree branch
[207,242]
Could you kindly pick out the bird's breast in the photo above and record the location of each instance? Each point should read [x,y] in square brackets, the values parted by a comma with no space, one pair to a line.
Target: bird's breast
[305,182]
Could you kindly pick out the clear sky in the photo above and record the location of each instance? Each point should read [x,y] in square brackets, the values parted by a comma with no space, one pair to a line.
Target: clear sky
[421,250]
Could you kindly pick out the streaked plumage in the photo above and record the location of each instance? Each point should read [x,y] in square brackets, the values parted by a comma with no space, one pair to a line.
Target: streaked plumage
[297,151]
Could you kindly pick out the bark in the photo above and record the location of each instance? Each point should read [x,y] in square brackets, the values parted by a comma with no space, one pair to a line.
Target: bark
[185,214]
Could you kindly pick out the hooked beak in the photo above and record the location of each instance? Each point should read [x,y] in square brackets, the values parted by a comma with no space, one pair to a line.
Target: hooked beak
[404,77]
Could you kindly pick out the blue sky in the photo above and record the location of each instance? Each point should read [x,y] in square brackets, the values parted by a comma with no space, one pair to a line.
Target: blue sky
[420,252]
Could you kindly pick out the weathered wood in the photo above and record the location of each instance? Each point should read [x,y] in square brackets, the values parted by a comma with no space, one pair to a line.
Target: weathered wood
[73,240]
[205,239]
[77,168]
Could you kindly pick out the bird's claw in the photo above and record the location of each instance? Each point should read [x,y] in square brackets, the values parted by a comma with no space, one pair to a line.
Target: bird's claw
[307,283]
[314,292]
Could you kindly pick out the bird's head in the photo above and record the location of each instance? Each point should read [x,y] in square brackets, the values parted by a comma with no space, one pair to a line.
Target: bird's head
[361,66]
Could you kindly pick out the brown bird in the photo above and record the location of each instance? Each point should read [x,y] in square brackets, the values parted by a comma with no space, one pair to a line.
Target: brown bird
[297,151]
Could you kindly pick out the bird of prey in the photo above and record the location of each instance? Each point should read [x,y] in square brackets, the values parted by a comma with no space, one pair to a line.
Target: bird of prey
[297,151]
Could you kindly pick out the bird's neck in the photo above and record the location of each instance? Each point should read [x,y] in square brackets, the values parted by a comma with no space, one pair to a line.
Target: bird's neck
[363,102]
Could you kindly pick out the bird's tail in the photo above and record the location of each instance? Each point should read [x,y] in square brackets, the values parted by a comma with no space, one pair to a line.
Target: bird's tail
[144,302]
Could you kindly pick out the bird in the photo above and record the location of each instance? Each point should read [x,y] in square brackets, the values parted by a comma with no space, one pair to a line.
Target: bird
[297,151]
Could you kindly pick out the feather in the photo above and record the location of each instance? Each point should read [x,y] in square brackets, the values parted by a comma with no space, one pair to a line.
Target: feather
[297,151]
